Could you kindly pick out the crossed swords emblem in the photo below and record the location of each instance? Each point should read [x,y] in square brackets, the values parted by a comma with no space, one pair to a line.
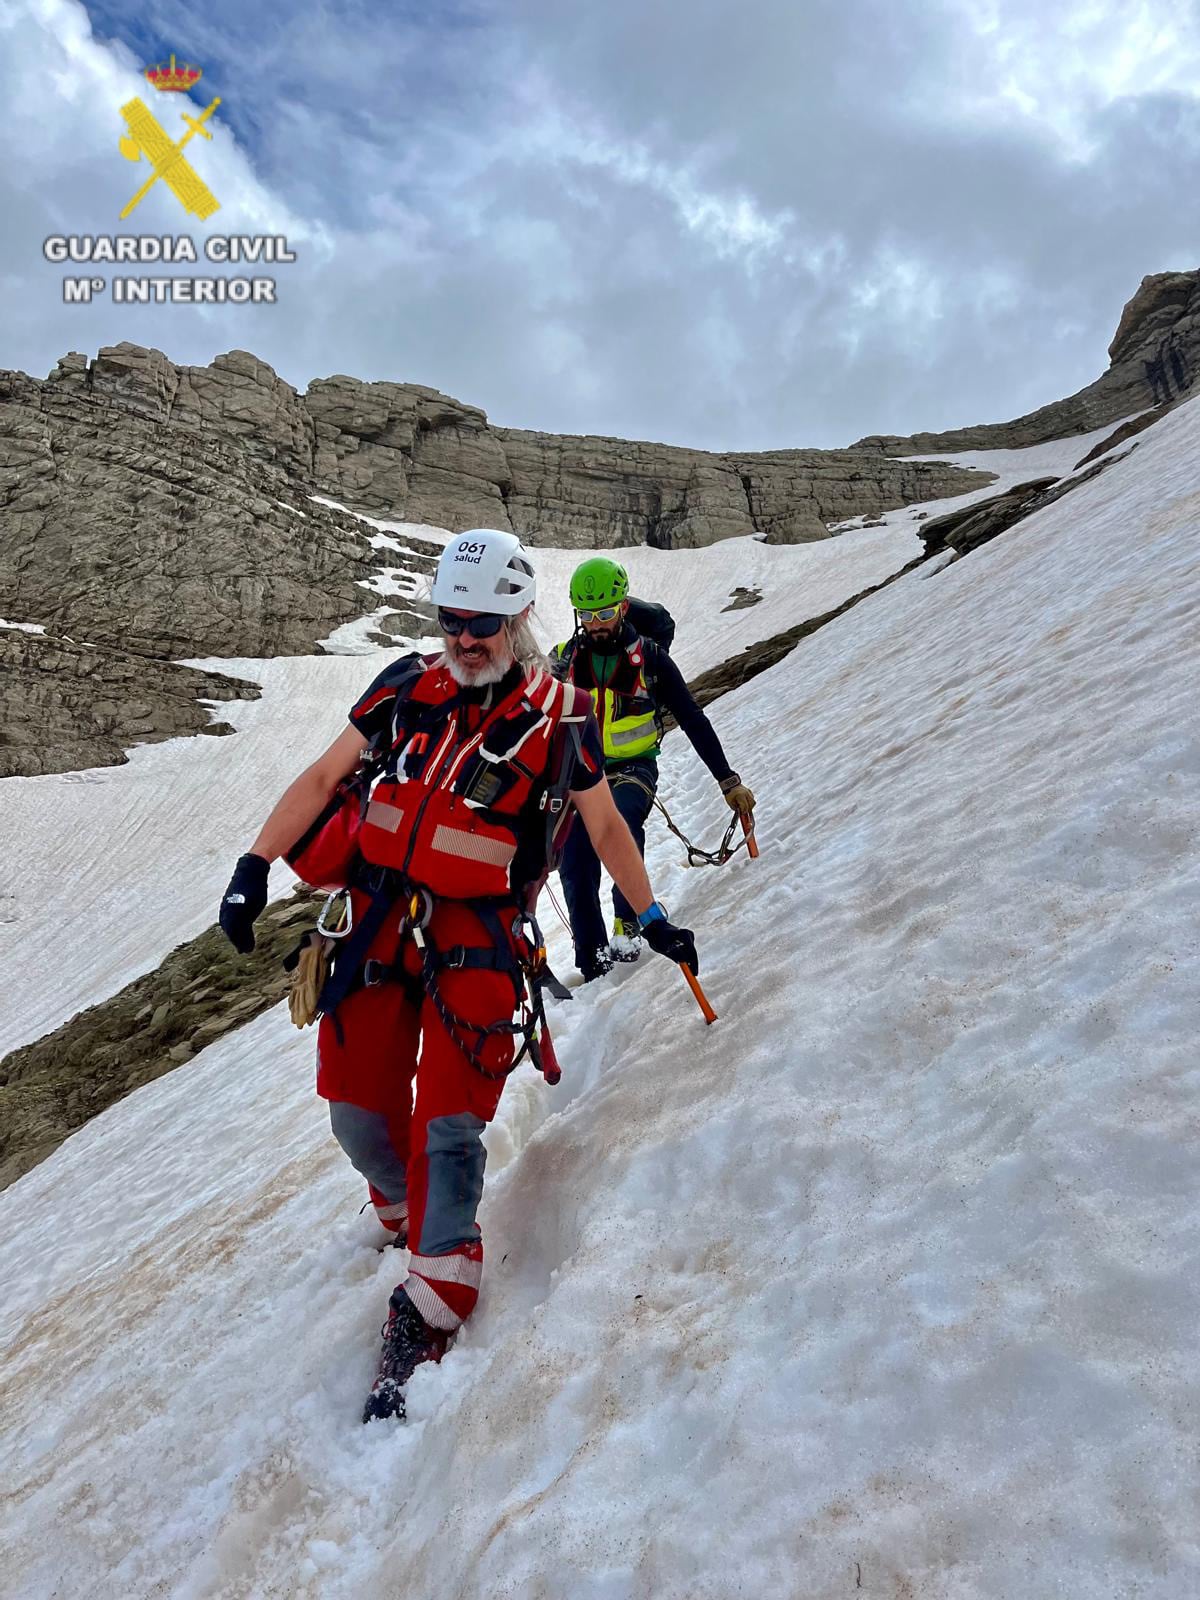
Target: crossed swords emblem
[147,137]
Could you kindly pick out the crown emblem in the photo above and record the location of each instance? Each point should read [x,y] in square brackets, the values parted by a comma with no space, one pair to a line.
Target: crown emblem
[165,75]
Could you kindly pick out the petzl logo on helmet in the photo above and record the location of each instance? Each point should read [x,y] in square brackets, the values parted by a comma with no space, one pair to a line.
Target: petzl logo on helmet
[147,137]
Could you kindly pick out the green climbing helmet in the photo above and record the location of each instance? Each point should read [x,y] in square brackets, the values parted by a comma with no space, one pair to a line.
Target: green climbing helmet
[597,583]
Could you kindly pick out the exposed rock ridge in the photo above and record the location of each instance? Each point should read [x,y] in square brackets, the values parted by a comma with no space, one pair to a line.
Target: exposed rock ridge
[199,992]
[1154,361]
[408,452]
[66,705]
[134,541]
[964,530]
[162,539]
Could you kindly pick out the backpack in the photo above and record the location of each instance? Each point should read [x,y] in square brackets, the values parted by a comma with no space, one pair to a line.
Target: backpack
[653,622]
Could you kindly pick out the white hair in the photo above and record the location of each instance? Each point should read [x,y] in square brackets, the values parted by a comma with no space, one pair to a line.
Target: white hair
[523,642]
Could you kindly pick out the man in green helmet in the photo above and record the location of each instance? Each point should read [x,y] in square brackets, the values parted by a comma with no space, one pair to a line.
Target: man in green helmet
[633,682]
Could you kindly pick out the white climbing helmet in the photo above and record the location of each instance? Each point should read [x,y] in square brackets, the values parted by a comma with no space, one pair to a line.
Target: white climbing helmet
[485,569]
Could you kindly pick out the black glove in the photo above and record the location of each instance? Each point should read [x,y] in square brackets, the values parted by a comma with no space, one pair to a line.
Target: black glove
[677,944]
[243,902]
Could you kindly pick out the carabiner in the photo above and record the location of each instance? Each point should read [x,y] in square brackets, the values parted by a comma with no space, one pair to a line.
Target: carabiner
[420,909]
[346,915]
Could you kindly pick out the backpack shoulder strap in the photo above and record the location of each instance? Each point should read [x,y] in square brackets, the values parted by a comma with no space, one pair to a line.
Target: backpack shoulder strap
[566,749]
[563,658]
[568,707]
[651,656]
[577,703]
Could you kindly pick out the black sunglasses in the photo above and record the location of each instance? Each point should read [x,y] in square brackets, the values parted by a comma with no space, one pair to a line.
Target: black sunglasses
[484,625]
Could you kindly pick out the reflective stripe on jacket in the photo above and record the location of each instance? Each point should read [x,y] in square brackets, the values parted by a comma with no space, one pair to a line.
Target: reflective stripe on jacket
[447,810]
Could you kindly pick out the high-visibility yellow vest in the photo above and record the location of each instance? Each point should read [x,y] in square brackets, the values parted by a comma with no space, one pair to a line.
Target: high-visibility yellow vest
[628,718]
[627,736]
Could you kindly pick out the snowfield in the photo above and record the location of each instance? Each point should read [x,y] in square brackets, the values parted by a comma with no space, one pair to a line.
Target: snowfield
[887,1283]
[134,859]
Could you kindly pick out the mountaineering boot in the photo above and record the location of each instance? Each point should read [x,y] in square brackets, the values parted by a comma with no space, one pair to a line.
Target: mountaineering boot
[408,1340]
[595,965]
[626,944]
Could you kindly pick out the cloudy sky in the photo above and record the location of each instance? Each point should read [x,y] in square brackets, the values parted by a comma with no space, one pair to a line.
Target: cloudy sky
[731,225]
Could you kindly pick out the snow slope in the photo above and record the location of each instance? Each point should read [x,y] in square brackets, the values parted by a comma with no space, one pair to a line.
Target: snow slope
[887,1283]
[134,859]
[795,581]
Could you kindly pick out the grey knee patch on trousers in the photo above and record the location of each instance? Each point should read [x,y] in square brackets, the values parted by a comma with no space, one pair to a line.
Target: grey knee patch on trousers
[454,1147]
[363,1135]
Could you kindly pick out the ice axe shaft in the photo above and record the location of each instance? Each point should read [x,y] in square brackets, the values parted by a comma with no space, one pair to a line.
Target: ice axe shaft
[710,1016]
[748,830]
[551,1070]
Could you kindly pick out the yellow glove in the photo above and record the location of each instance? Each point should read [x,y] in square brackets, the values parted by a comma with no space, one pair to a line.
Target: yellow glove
[737,796]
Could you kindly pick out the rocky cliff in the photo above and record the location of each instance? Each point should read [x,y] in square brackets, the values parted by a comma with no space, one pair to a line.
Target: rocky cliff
[66,704]
[151,512]
[402,451]
[134,541]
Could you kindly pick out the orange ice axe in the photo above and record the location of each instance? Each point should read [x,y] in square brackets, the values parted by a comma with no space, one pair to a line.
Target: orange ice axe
[748,830]
[710,1016]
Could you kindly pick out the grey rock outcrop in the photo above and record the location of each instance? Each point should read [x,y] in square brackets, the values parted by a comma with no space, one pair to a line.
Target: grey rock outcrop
[410,453]
[1127,430]
[587,492]
[66,705]
[969,526]
[162,539]
[134,539]
[1154,360]
[200,992]
[965,530]
[238,397]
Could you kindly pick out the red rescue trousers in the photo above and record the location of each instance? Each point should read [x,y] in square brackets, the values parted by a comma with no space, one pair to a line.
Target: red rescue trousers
[409,1108]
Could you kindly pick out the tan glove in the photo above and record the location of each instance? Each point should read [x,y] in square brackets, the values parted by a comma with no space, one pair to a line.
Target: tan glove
[308,979]
[737,796]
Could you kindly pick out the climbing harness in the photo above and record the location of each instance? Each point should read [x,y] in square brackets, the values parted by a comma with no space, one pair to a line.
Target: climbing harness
[466,797]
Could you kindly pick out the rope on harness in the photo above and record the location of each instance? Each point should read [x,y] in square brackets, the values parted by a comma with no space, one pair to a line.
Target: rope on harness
[459,1028]
[696,857]
[562,915]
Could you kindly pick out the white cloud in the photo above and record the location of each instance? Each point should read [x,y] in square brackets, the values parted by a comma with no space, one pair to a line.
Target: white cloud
[74,159]
[1055,67]
[792,227]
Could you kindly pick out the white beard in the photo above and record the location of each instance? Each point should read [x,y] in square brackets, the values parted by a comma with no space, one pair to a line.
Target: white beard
[489,671]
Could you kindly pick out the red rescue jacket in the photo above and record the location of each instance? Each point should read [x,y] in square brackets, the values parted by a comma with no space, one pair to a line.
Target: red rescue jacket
[452,809]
